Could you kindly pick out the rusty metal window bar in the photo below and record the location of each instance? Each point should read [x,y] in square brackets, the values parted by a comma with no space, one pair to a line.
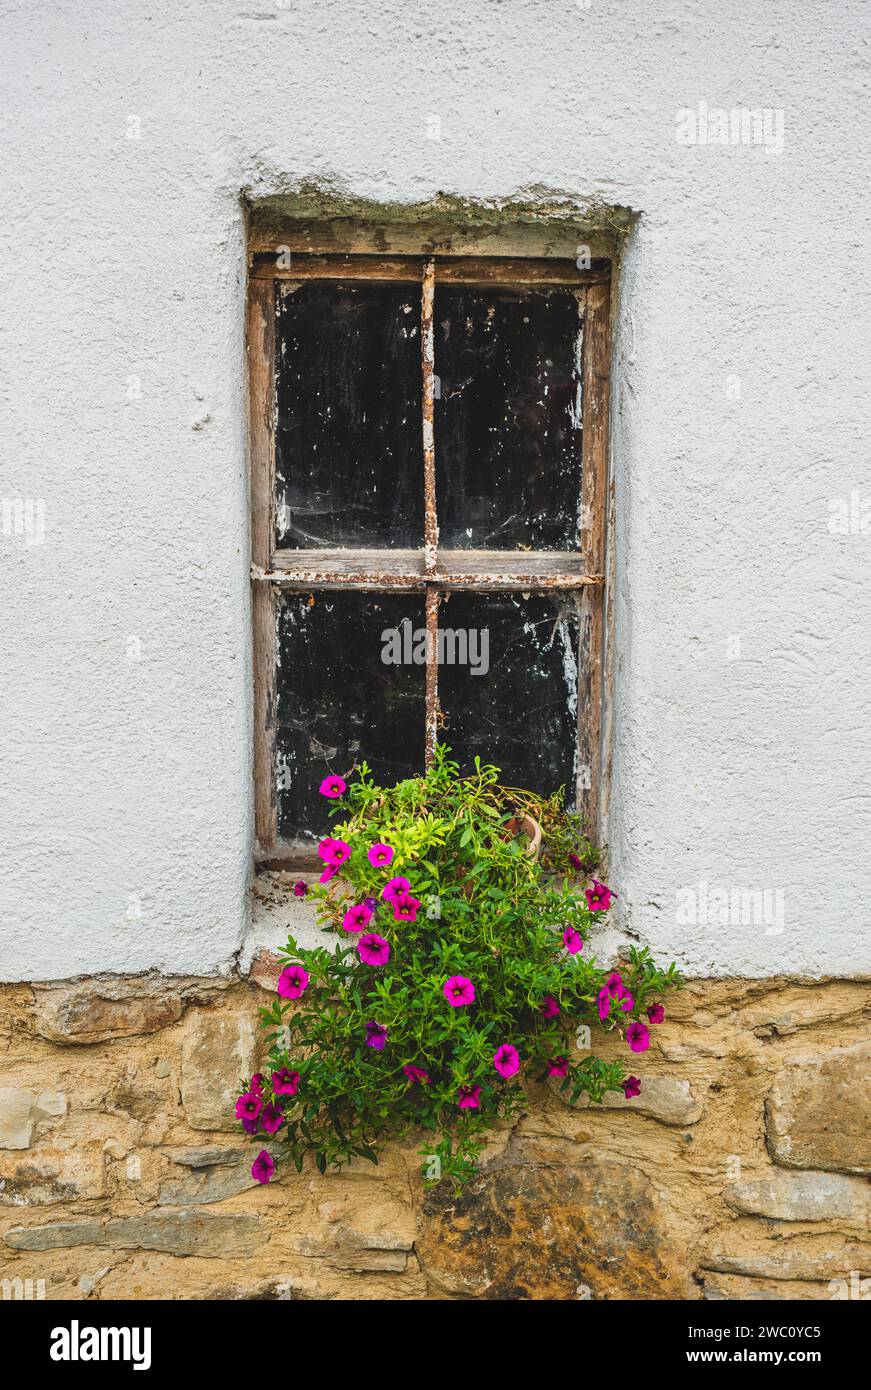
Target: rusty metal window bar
[430,571]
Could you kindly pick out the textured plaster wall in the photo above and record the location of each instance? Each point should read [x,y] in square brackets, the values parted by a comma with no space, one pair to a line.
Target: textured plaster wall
[126,824]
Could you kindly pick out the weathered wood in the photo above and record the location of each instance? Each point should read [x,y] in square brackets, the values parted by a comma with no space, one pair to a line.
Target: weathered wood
[282,264]
[261,451]
[298,266]
[288,857]
[497,270]
[594,494]
[434,234]
[607,729]
[405,570]
[427,354]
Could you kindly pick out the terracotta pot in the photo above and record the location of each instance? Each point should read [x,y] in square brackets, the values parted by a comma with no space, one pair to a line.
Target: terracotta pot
[527,825]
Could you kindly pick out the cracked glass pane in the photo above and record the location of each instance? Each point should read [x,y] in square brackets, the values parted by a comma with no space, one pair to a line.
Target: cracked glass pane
[348,462]
[510,694]
[350,685]
[508,418]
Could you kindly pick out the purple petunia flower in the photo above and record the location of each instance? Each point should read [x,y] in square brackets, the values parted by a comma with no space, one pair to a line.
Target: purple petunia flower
[506,1060]
[394,888]
[558,1066]
[271,1119]
[263,1167]
[373,949]
[256,1084]
[631,1087]
[599,896]
[334,852]
[656,1013]
[292,982]
[371,903]
[469,1097]
[248,1106]
[458,991]
[416,1075]
[332,787]
[381,855]
[285,1082]
[300,888]
[574,861]
[549,1006]
[405,907]
[376,1035]
[572,941]
[638,1037]
[614,992]
[356,918]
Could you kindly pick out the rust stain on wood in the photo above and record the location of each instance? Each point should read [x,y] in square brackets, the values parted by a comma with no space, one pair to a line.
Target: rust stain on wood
[261,447]
[597,357]
[409,583]
[294,570]
[427,357]
[468,270]
[298,266]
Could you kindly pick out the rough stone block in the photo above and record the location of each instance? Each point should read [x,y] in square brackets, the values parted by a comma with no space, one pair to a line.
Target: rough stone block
[183,1232]
[348,1248]
[49,1174]
[803,1197]
[218,1050]
[818,1259]
[669,1099]
[205,1185]
[729,1288]
[818,1113]
[208,1155]
[96,1010]
[265,970]
[16,1117]
[541,1230]
[50,1105]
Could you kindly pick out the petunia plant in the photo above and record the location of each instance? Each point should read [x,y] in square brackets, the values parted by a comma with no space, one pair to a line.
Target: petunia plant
[459,971]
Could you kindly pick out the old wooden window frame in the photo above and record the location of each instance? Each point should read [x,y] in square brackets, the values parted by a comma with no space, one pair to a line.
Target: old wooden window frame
[428,570]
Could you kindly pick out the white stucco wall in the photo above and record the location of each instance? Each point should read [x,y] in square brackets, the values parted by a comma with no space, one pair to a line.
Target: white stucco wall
[126,783]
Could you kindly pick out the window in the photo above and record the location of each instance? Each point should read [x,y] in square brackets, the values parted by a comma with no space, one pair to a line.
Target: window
[428,464]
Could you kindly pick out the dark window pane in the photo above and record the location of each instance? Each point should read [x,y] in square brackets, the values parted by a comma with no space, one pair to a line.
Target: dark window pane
[339,703]
[349,452]
[508,420]
[522,713]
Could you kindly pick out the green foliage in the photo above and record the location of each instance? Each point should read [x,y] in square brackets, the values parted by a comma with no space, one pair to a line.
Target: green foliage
[489,912]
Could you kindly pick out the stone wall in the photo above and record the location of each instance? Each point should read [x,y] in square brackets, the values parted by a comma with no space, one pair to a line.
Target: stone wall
[740,1172]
